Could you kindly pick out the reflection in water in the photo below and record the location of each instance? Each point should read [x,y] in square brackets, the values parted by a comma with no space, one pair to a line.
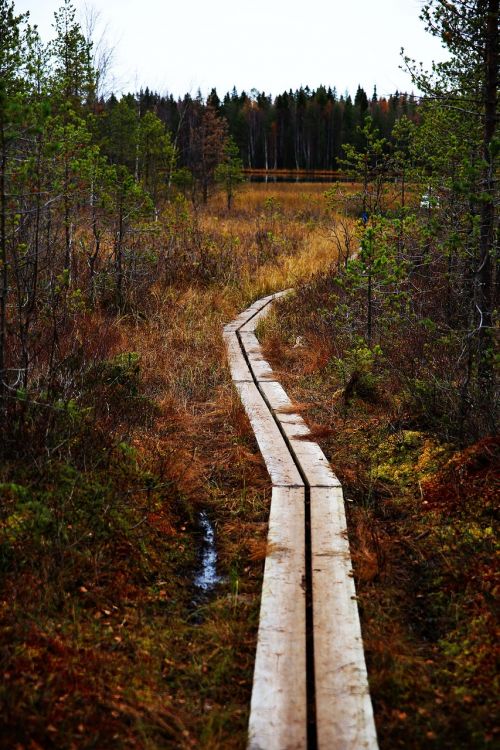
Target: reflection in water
[300,176]
[294,178]
[206,578]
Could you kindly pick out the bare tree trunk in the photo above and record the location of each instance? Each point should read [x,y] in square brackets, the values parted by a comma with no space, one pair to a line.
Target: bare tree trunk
[174,150]
[4,281]
[94,255]
[484,273]
[369,310]
[119,258]
[33,285]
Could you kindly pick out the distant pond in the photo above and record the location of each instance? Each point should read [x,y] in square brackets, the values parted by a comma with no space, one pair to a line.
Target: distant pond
[281,175]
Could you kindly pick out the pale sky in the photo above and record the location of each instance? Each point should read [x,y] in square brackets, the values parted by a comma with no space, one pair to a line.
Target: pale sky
[178,46]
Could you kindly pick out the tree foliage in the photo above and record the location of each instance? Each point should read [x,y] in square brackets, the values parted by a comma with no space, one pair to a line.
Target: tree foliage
[433,270]
[302,129]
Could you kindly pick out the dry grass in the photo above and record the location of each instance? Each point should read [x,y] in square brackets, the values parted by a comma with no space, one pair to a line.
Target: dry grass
[127,654]
[203,435]
[422,543]
[305,199]
[288,223]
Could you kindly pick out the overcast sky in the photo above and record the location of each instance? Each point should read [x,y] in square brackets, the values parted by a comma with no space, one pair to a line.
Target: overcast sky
[178,46]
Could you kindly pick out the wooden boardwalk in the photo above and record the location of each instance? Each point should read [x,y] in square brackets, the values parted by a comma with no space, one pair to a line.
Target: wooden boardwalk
[310,687]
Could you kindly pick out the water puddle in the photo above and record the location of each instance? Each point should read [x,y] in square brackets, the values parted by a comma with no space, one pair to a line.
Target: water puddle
[207,578]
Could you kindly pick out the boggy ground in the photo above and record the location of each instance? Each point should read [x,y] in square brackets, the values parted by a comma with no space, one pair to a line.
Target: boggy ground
[104,640]
[421,526]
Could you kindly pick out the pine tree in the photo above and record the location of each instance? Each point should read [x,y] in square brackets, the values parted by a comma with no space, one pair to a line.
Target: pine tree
[370,164]
[463,103]
[15,54]
[74,79]
[156,156]
[229,172]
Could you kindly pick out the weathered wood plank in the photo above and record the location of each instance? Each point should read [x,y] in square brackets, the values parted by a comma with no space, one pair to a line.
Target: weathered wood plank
[275,453]
[261,369]
[247,314]
[344,713]
[283,293]
[309,455]
[278,712]
[252,324]
[237,362]
[244,317]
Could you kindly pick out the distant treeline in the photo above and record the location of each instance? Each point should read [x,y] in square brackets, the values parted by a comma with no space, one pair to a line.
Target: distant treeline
[302,129]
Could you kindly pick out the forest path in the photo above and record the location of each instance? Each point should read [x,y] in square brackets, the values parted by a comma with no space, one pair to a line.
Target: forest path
[310,687]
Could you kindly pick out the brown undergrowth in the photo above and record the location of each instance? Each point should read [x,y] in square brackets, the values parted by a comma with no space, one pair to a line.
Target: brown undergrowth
[421,519]
[104,640]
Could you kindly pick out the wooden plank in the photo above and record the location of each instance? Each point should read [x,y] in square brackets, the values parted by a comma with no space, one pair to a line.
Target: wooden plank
[309,455]
[252,324]
[283,293]
[252,310]
[237,362]
[344,713]
[244,317]
[311,458]
[260,368]
[278,718]
[250,342]
[278,712]
[264,300]
[275,453]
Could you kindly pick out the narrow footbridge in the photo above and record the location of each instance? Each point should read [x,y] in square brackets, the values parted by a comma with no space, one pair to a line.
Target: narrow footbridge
[310,688]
